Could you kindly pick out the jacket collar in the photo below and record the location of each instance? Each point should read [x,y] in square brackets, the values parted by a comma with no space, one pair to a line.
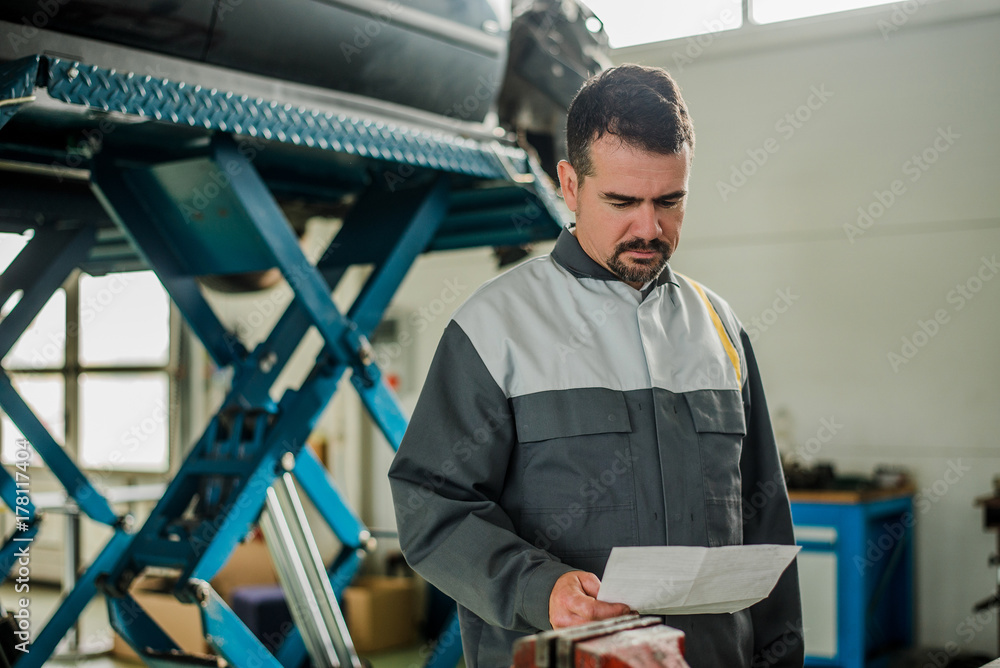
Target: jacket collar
[570,255]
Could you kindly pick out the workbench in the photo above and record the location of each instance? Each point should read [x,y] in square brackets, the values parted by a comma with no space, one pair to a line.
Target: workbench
[856,574]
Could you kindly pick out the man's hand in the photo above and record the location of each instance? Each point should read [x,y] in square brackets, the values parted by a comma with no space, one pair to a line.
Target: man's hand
[573,601]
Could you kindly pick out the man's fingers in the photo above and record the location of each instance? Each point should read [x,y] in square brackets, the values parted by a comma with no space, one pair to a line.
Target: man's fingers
[621,609]
[584,610]
[601,610]
[573,601]
[591,584]
[581,605]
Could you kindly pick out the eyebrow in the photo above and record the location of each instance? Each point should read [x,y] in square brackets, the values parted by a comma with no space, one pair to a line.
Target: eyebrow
[629,198]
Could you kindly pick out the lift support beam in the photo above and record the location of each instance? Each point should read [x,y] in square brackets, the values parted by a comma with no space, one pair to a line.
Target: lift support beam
[193,178]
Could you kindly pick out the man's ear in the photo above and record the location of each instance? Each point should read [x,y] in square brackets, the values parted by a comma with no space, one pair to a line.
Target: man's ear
[569,183]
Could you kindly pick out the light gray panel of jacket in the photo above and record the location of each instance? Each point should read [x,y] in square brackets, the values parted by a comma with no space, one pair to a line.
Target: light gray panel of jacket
[538,328]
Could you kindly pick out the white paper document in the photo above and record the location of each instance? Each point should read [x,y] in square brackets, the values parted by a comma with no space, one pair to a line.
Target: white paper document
[693,580]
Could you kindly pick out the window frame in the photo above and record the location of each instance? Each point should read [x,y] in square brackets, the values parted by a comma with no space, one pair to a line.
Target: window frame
[72,369]
[834,23]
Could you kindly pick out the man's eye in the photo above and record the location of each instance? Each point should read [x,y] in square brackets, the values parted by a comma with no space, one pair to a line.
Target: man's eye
[621,205]
[670,204]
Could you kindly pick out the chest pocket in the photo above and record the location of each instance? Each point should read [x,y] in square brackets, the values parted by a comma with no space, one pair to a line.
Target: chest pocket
[571,480]
[721,427]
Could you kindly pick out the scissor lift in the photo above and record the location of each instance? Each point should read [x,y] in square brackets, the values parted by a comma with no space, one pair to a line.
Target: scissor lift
[148,145]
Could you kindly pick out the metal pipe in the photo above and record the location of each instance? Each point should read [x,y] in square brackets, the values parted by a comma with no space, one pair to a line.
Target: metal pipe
[304,578]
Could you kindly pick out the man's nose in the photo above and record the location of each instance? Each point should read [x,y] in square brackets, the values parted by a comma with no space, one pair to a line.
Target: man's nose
[645,224]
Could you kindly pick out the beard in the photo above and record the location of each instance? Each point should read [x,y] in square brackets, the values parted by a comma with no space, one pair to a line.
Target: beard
[642,270]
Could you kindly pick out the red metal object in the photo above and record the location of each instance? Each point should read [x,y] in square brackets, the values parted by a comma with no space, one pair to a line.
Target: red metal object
[623,642]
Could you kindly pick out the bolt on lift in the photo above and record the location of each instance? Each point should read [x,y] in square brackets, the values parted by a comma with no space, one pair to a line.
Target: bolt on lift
[192,177]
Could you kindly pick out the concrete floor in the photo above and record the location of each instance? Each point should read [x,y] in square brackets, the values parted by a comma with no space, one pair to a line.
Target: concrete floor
[96,635]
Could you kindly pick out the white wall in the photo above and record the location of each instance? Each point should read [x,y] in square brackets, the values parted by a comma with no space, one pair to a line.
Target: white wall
[852,303]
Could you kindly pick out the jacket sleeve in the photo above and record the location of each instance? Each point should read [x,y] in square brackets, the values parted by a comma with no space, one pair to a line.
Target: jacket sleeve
[446,481]
[767,518]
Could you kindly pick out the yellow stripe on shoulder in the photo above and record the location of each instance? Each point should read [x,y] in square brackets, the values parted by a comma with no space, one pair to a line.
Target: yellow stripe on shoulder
[734,357]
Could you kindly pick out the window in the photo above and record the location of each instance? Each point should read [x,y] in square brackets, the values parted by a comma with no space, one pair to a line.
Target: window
[43,345]
[632,22]
[108,339]
[123,420]
[124,320]
[772,11]
[45,393]
[124,385]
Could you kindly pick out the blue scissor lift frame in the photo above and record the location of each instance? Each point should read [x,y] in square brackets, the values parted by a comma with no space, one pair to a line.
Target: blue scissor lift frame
[416,190]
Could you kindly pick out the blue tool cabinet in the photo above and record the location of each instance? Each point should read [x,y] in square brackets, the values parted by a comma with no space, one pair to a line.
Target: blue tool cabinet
[856,574]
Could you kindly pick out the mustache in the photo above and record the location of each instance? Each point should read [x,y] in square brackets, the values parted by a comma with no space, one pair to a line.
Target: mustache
[653,245]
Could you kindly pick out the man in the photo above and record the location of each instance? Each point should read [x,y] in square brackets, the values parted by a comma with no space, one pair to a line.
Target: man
[593,398]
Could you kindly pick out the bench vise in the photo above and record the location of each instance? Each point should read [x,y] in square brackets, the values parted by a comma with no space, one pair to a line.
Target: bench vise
[623,642]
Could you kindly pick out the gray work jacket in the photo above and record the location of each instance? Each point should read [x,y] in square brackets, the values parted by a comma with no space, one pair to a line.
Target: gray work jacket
[565,413]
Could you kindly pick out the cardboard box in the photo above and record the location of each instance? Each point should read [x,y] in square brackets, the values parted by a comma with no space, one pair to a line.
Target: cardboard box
[249,565]
[180,621]
[381,612]
[318,444]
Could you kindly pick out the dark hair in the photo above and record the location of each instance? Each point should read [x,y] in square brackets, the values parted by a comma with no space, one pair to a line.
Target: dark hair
[640,105]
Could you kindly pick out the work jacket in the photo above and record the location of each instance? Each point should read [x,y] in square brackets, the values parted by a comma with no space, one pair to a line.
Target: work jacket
[565,413]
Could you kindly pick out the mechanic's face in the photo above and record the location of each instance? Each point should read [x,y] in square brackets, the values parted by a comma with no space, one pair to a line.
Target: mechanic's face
[630,210]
